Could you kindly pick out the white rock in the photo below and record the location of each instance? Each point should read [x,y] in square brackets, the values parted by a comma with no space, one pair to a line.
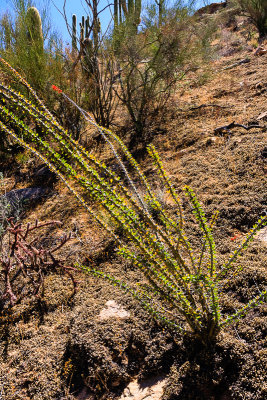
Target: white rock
[151,389]
[262,235]
[112,310]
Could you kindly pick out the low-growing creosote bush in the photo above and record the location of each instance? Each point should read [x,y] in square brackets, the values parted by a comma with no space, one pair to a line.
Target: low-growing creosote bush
[183,285]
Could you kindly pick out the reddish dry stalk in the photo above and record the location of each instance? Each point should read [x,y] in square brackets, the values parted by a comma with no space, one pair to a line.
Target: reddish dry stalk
[21,257]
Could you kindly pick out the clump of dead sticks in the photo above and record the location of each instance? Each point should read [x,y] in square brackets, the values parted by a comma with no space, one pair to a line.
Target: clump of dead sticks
[25,260]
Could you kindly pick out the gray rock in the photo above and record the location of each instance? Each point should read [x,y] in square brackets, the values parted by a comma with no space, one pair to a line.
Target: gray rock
[14,202]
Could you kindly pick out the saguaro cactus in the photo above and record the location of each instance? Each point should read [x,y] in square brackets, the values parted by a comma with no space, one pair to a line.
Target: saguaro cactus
[7,30]
[131,11]
[87,48]
[36,60]
[34,27]
[160,4]
[84,31]
[74,33]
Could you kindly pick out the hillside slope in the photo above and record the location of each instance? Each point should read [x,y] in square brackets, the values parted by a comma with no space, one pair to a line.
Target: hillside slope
[62,347]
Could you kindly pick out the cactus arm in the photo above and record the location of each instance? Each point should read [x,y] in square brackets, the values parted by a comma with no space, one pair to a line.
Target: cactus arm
[116,13]
[124,8]
[87,28]
[74,32]
[81,34]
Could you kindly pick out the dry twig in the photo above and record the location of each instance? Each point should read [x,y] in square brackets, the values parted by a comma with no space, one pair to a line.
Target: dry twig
[206,105]
[227,128]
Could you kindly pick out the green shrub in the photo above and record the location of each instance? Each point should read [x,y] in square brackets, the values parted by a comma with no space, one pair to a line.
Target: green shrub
[22,43]
[257,11]
[183,284]
[27,43]
[152,62]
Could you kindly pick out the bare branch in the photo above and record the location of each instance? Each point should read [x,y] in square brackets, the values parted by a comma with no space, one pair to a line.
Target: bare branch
[226,128]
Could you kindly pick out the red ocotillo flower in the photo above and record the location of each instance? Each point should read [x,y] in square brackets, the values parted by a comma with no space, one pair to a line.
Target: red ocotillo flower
[56,89]
[237,236]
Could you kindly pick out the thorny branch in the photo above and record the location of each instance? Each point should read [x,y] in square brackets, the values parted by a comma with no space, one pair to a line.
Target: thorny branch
[21,256]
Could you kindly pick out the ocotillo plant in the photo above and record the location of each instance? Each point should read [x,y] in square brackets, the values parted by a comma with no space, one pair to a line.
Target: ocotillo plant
[183,284]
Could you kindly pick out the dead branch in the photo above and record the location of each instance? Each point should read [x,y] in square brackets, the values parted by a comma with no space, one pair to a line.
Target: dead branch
[243,61]
[203,106]
[227,128]
[206,105]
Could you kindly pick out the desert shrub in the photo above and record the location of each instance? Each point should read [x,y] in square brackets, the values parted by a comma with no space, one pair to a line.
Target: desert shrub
[183,284]
[257,11]
[37,52]
[22,42]
[151,62]
[98,80]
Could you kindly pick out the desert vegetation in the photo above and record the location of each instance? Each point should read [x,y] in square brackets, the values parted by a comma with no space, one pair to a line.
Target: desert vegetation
[92,116]
[257,10]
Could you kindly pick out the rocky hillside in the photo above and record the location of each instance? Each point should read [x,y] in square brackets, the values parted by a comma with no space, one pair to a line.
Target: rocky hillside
[98,343]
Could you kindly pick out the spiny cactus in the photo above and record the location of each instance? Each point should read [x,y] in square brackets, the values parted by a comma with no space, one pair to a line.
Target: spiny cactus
[34,27]
[84,31]
[87,48]
[74,33]
[131,11]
